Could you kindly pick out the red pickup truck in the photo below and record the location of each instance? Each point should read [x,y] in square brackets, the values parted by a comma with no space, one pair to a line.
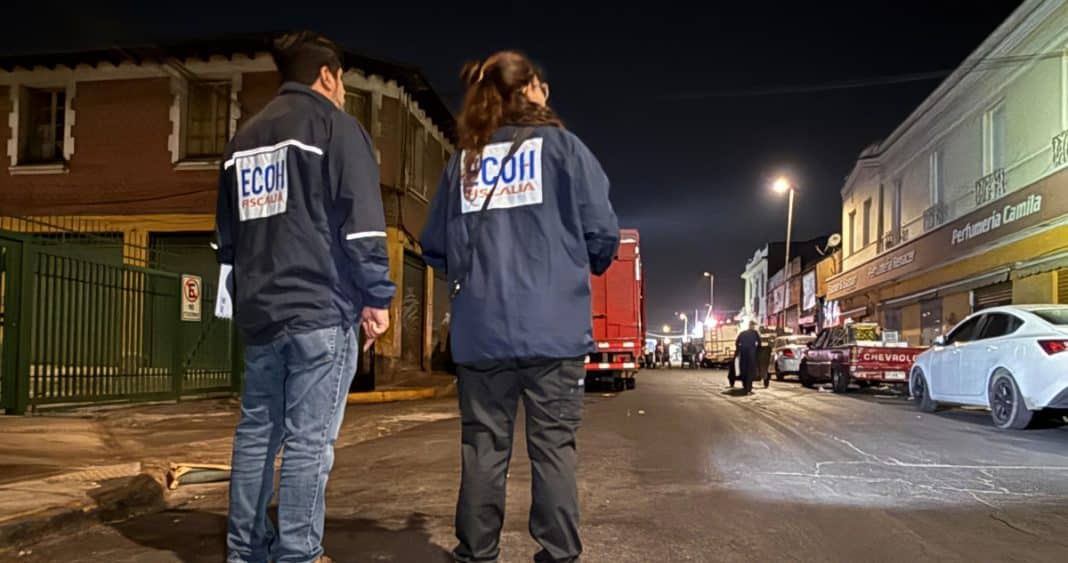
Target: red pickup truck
[856,352]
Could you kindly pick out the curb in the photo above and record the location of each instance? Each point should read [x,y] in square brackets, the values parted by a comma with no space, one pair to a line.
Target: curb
[394,395]
[116,499]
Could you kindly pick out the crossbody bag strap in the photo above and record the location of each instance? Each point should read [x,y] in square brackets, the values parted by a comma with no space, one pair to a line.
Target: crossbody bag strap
[458,280]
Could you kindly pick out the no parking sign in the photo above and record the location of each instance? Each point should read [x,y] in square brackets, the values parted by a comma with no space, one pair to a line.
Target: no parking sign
[191,292]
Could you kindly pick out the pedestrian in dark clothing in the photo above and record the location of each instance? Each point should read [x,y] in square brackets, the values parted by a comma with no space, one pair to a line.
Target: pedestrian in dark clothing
[302,246]
[520,220]
[747,348]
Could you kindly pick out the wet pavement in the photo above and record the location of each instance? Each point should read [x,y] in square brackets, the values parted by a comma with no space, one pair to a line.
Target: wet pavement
[683,469]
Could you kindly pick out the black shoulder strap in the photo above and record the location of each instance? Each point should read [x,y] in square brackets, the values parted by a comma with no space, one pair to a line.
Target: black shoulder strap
[459,277]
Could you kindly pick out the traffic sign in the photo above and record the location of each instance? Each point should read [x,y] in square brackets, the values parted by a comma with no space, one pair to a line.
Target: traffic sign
[191,297]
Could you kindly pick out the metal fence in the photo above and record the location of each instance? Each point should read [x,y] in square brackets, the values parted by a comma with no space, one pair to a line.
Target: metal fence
[78,326]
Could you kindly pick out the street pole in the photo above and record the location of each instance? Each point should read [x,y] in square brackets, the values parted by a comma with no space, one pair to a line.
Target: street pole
[711,294]
[786,268]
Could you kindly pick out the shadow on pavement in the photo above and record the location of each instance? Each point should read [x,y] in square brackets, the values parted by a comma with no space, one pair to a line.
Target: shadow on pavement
[195,536]
[1053,425]
[735,392]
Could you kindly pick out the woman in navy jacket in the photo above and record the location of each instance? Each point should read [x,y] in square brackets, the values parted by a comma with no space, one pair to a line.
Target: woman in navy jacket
[521,321]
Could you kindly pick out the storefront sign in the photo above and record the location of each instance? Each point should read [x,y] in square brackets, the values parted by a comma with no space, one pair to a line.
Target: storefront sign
[1039,203]
[842,285]
[778,299]
[808,283]
[831,314]
[886,265]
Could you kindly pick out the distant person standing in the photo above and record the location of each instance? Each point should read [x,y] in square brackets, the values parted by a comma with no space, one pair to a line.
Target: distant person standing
[520,220]
[747,349]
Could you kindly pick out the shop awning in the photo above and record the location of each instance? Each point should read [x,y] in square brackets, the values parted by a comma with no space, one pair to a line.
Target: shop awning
[955,287]
[1047,263]
[858,312]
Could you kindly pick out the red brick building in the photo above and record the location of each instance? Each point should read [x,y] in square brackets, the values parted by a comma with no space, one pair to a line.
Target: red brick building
[129,139]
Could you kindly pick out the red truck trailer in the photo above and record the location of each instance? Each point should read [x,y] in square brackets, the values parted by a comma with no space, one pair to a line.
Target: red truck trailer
[619,317]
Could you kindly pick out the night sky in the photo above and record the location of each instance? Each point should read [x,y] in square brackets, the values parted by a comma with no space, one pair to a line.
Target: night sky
[670,96]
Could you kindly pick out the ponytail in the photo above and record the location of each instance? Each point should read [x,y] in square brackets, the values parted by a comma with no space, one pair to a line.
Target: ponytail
[494,98]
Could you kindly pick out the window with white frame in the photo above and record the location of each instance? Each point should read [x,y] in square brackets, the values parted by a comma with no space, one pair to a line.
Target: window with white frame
[41,119]
[896,211]
[994,139]
[936,182]
[42,125]
[852,232]
[207,119]
[866,223]
[358,105]
[416,155]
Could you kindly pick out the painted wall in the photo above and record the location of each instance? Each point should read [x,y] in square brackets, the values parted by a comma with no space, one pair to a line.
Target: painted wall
[1034,95]
[1039,288]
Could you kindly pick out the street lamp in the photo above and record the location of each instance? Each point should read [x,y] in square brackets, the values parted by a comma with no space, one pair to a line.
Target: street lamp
[685,324]
[781,186]
[711,293]
[667,329]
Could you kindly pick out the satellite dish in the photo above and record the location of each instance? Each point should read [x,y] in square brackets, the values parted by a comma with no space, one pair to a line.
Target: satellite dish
[834,240]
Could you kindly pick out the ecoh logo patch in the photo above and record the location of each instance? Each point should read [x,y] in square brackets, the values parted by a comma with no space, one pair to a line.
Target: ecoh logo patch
[521,177]
[262,184]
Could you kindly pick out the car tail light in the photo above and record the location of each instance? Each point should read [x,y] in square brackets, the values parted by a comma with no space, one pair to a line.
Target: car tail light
[787,353]
[1054,346]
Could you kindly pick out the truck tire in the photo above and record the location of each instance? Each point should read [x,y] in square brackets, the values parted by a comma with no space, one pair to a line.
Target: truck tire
[617,384]
[1007,408]
[839,380]
[632,382]
[804,376]
[920,392]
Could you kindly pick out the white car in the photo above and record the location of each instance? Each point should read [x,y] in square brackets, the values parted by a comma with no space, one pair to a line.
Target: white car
[787,353]
[1013,360]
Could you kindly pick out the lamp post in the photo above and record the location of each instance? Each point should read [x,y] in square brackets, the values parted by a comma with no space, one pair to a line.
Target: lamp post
[711,293]
[685,325]
[781,186]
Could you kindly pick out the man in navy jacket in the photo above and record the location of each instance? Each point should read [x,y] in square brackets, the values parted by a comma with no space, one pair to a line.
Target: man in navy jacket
[301,225]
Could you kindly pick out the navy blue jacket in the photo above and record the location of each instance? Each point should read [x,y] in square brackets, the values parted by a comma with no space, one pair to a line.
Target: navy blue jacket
[299,216]
[549,225]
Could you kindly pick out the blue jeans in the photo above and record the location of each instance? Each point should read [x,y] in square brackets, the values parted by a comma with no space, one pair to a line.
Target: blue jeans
[295,393]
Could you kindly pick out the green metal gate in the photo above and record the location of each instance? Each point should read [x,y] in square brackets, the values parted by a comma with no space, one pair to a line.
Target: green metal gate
[77,329]
[10,258]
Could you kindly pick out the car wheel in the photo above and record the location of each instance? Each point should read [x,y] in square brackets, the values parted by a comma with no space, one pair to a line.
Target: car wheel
[839,380]
[779,376]
[921,393]
[1007,408]
[803,375]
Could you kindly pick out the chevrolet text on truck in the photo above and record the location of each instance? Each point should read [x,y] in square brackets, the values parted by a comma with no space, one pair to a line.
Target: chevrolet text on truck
[618,317]
[857,352]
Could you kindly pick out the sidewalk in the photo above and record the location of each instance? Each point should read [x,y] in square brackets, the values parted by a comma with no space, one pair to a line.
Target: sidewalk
[68,470]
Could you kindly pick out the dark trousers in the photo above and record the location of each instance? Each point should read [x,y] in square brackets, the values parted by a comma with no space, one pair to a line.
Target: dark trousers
[748,365]
[552,392]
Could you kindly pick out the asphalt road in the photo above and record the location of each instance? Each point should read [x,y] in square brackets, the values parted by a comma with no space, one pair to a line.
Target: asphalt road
[682,469]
